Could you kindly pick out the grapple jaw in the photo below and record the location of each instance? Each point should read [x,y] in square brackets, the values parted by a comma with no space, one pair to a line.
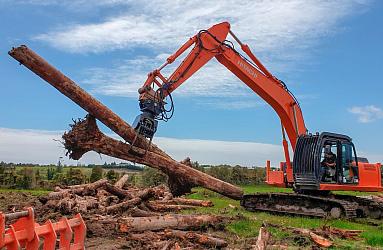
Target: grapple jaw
[146,123]
[26,233]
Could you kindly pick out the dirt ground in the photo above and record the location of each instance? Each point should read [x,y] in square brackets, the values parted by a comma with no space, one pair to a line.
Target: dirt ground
[16,201]
[11,201]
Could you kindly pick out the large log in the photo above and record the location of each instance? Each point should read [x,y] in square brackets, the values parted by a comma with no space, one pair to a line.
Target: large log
[69,88]
[122,206]
[82,189]
[121,182]
[85,136]
[160,207]
[191,202]
[120,193]
[202,239]
[136,212]
[178,173]
[187,202]
[88,186]
[174,221]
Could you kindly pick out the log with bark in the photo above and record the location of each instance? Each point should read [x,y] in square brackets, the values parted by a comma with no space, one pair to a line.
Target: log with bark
[184,239]
[136,212]
[69,88]
[202,239]
[85,136]
[183,201]
[160,207]
[108,225]
[338,232]
[122,181]
[122,206]
[84,189]
[170,221]
[120,193]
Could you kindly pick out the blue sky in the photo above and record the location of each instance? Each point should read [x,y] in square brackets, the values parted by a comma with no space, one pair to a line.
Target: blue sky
[327,52]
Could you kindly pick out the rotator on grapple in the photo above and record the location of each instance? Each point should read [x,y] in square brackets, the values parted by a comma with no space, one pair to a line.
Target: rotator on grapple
[308,173]
[153,108]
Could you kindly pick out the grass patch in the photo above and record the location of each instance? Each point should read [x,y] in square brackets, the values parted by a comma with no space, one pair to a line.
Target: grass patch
[35,192]
[245,227]
[263,188]
[373,238]
[356,193]
[246,224]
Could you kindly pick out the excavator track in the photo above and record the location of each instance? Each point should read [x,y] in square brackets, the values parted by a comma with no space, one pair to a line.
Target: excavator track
[367,205]
[332,206]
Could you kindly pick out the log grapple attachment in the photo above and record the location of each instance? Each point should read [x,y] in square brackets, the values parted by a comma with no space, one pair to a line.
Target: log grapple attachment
[24,233]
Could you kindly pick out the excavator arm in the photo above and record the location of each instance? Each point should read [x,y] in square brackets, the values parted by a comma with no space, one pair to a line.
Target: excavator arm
[212,43]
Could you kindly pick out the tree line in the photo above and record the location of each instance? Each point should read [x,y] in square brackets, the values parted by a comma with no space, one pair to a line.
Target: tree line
[28,176]
[237,175]
[47,177]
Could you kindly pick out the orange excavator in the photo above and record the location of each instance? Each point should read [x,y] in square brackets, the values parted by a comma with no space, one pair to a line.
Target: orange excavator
[321,162]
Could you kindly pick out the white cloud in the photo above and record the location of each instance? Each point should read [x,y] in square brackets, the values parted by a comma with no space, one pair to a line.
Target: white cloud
[38,146]
[367,114]
[266,25]
[129,75]
[222,152]
[280,32]
[73,4]
[231,103]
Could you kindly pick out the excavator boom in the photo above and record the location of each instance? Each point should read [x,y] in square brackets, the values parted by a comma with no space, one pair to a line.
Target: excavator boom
[212,43]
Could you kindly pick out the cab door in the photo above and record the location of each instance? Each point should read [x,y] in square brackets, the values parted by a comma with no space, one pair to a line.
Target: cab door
[347,164]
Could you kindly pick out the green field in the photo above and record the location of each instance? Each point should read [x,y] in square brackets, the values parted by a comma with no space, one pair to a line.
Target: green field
[34,192]
[44,169]
[246,224]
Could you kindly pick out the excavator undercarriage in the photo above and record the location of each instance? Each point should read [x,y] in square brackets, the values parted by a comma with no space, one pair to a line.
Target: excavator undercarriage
[331,206]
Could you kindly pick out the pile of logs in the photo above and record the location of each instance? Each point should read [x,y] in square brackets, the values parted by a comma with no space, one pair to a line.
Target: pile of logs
[119,209]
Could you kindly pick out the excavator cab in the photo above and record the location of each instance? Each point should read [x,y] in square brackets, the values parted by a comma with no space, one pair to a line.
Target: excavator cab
[326,162]
[327,158]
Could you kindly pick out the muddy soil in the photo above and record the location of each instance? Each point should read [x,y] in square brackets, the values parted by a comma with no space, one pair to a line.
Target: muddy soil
[16,201]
